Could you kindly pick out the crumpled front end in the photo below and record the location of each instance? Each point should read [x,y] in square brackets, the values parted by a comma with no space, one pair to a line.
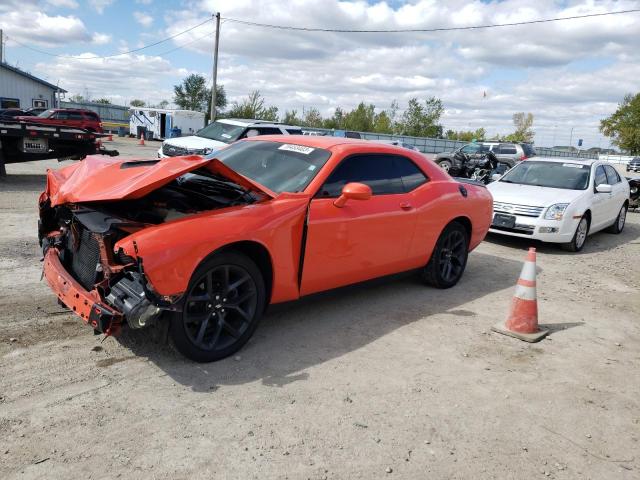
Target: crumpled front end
[88,208]
[104,288]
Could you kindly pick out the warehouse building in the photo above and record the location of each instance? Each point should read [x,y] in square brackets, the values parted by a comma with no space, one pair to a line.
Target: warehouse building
[20,89]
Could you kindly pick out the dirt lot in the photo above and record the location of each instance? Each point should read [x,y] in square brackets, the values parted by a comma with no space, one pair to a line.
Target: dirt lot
[384,380]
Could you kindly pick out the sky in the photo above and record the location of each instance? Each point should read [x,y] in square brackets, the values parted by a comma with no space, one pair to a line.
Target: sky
[569,74]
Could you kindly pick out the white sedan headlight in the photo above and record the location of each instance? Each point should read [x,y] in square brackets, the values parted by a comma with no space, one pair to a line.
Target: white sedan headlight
[556,212]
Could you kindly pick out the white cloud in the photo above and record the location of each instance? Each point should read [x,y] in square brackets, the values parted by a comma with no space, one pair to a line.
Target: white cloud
[568,73]
[124,77]
[561,71]
[31,26]
[143,19]
[100,38]
[100,5]
[63,3]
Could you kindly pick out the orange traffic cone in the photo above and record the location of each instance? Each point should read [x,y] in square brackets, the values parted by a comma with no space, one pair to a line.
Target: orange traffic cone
[141,142]
[522,322]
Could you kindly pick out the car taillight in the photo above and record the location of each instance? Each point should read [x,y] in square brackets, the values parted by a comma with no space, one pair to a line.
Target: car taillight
[523,157]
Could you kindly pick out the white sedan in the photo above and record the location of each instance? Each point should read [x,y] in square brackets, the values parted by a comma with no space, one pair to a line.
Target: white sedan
[559,200]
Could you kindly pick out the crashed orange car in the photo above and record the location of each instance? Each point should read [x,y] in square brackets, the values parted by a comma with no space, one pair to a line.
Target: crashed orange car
[209,243]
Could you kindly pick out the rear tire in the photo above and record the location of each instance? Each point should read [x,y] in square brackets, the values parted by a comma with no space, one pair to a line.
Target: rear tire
[621,219]
[579,238]
[449,257]
[221,310]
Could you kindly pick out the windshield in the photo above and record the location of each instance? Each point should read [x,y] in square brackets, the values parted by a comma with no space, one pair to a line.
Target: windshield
[46,114]
[222,132]
[281,167]
[569,176]
[474,148]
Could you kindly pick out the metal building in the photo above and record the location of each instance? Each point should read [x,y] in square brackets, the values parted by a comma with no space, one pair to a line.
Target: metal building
[20,89]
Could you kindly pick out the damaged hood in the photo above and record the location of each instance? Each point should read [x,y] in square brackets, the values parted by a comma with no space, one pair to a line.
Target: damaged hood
[96,179]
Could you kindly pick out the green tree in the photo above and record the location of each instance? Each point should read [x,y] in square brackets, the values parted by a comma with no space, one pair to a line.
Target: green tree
[221,101]
[623,126]
[137,103]
[192,93]
[382,123]
[466,135]
[422,120]
[77,98]
[104,101]
[313,118]
[163,104]
[336,121]
[361,118]
[291,118]
[253,107]
[523,123]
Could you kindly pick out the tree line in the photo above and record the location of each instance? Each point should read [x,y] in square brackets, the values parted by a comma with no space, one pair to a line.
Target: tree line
[421,118]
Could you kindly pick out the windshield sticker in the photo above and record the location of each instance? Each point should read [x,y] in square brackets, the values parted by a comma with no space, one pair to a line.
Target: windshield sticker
[296,148]
[225,135]
[573,165]
[311,167]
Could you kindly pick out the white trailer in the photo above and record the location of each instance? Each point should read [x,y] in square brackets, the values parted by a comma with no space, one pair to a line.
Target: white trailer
[161,121]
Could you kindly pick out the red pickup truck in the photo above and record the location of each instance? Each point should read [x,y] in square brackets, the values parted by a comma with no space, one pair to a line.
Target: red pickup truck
[68,117]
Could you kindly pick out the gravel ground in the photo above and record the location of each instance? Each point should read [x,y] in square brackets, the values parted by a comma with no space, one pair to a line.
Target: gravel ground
[385,380]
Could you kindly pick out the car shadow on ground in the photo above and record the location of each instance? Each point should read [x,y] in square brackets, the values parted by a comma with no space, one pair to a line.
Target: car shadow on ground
[296,336]
[598,242]
[23,182]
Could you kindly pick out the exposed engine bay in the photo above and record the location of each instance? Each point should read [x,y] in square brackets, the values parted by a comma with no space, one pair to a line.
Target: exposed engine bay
[83,236]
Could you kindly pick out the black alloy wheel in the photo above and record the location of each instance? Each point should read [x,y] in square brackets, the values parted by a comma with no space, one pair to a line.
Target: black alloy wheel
[221,309]
[449,257]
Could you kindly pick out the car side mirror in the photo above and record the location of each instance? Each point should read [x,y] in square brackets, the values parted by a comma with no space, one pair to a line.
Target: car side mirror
[353,191]
[604,188]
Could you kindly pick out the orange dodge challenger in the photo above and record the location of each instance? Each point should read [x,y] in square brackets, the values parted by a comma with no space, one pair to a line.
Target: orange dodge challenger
[210,242]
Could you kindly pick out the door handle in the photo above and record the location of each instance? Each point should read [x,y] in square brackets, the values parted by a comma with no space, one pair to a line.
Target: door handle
[406,206]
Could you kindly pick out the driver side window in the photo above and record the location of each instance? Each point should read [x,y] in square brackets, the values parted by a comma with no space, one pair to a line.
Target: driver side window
[601,176]
[385,174]
[469,149]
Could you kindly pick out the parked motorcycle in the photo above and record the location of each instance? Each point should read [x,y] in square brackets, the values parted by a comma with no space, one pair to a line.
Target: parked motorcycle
[480,168]
[634,192]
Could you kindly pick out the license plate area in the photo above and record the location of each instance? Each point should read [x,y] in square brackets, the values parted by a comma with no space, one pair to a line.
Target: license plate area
[504,221]
[35,145]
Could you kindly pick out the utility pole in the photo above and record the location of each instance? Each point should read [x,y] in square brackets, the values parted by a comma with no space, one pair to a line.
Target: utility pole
[571,138]
[1,47]
[215,70]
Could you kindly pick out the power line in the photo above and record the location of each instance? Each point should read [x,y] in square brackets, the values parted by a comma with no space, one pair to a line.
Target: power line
[427,30]
[116,54]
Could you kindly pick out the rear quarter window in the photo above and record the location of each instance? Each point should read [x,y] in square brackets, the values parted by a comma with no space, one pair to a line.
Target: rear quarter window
[507,149]
[529,151]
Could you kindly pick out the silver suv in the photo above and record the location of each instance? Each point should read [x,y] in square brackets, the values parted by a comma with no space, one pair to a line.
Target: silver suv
[509,153]
[221,133]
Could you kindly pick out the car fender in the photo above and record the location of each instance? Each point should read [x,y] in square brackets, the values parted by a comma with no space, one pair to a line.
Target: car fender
[171,252]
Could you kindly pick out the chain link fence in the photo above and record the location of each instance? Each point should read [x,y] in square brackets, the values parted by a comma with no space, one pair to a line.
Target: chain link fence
[437,145]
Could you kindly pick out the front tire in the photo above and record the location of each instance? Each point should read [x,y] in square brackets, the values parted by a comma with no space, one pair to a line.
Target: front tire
[449,257]
[445,164]
[580,237]
[222,307]
[618,225]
